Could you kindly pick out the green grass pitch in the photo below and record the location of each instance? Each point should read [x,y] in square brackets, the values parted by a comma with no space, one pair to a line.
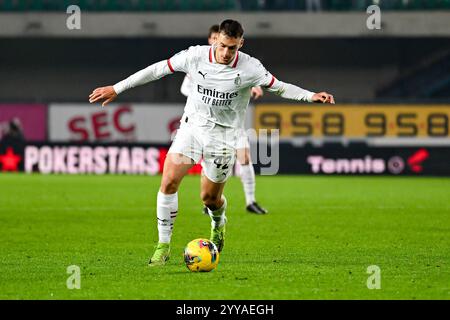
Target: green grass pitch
[321,235]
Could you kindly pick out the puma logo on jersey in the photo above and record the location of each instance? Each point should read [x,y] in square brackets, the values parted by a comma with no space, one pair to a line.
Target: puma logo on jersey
[203,75]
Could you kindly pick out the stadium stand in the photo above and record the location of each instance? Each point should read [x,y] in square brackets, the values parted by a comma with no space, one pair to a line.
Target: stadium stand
[220,5]
[429,79]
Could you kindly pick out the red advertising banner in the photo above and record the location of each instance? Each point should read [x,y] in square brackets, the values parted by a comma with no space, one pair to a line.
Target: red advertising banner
[135,122]
[31,119]
[116,123]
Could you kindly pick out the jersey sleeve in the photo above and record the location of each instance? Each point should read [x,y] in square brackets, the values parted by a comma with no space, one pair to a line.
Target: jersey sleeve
[151,73]
[181,61]
[262,77]
[268,82]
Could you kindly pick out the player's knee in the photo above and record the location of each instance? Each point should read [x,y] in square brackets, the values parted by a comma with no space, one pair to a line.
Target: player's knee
[245,161]
[169,186]
[244,157]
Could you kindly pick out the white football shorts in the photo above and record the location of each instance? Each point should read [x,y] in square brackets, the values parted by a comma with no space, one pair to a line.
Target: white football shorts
[212,143]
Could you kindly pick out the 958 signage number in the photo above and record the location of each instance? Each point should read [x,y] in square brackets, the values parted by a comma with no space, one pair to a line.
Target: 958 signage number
[355,121]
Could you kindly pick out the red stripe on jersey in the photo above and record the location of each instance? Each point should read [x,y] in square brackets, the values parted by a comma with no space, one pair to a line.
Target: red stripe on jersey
[271,82]
[236,60]
[170,65]
[210,55]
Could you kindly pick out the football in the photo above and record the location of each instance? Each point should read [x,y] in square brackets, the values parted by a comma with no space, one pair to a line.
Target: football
[201,255]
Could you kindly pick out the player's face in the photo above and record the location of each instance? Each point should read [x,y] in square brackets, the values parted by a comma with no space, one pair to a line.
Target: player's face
[227,48]
[212,38]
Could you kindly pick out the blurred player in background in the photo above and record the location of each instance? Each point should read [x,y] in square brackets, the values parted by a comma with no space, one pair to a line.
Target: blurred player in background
[214,114]
[247,172]
[13,133]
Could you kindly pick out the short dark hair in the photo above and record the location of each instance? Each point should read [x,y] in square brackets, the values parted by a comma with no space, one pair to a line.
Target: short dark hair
[214,29]
[231,28]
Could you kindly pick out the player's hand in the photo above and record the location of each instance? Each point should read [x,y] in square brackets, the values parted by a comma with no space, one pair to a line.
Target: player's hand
[257,93]
[105,94]
[323,97]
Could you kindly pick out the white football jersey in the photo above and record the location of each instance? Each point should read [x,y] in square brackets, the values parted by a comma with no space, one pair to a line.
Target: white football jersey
[219,93]
[186,86]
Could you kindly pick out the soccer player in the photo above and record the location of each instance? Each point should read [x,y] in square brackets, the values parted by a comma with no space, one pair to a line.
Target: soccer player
[243,147]
[222,79]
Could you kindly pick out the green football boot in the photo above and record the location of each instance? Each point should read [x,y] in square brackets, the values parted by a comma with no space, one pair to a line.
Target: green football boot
[161,255]
[218,236]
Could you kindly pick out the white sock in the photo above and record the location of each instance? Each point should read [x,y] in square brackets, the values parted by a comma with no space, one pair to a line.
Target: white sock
[166,212]
[218,217]
[248,181]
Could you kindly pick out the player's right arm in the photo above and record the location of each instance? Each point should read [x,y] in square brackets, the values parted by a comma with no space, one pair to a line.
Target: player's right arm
[178,62]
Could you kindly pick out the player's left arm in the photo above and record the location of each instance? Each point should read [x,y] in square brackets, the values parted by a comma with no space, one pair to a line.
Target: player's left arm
[266,80]
[293,92]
